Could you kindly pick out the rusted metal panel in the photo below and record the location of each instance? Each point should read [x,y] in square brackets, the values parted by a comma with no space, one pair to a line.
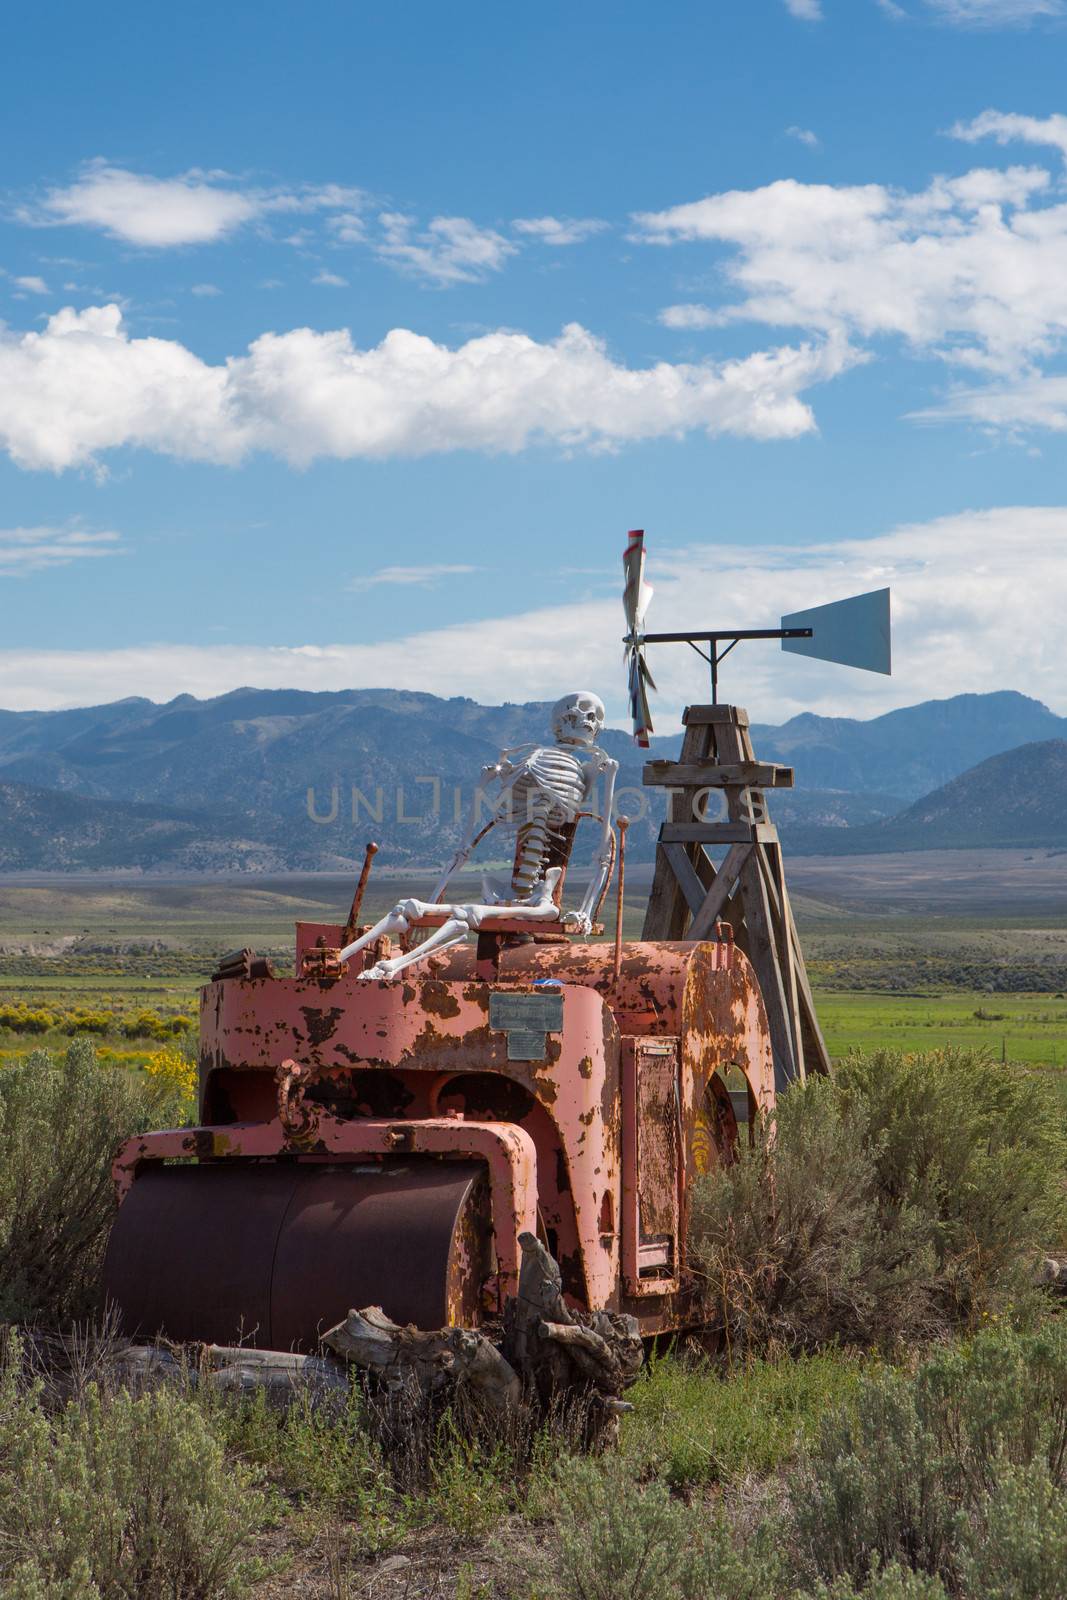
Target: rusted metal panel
[271,1254]
[508,1152]
[651,1147]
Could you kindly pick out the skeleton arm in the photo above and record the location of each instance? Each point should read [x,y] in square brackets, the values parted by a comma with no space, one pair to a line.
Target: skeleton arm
[582,919]
[502,771]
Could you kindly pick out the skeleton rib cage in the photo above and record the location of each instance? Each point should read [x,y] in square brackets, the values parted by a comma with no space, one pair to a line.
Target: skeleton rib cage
[542,801]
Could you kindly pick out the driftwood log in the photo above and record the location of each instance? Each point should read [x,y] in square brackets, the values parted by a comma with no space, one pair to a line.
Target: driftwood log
[547,1354]
[282,1375]
[449,1361]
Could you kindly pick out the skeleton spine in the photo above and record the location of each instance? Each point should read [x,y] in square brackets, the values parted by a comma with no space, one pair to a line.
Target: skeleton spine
[550,793]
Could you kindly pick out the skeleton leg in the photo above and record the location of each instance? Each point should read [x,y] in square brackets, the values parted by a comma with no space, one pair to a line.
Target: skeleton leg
[394,922]
[582,919]
[454,931]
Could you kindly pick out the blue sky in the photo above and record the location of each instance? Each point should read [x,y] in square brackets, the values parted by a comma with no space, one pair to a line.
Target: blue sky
[342,348]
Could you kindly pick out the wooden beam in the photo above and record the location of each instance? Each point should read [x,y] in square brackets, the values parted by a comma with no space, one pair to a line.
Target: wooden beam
[689,880]
[692,775]
[715,901]
[713,833]
[700,715]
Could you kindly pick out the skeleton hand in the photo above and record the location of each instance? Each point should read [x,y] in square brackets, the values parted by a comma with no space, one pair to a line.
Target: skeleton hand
[578,921]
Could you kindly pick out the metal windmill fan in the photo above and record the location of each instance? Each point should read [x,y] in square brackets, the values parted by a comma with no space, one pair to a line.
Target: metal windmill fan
[635,599]
[853,632]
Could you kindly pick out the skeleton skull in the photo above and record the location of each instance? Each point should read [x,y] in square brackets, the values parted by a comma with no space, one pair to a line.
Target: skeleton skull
[578,718]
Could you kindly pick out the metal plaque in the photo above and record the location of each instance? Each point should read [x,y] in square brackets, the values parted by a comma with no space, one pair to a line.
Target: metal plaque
[525,1013]
[854,632]
[525,1045]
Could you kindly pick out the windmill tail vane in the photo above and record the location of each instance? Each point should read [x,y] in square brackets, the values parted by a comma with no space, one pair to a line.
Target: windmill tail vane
[636,596]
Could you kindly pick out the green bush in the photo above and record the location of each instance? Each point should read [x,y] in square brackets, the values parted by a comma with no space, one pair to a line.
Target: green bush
[61,1122]
[619,1541]
[118,1498]
[908,1196]
[1016,1548]
[975,1148]
[324,1461]
[788,1238]
[925,1471]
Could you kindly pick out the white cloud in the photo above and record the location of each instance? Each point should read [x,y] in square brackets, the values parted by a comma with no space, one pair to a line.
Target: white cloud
[449,250]
[559,230]
[24,550]
[970,269]
[32,285]
[1033,401]
[205,291]
[978,604]
[157,213]
[424,577]
[82,386]
[1008,127]
[690,316]
[330,280]
[804,136]
[995,13]
[805,10]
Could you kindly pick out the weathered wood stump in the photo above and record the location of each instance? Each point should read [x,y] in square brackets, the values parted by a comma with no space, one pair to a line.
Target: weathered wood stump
[448,1361]
[548,1356]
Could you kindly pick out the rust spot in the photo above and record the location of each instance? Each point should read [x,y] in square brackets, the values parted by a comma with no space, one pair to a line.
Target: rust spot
[440,999]
[585,1067]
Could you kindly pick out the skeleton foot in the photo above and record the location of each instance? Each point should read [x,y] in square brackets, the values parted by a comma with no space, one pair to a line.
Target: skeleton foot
[380,969]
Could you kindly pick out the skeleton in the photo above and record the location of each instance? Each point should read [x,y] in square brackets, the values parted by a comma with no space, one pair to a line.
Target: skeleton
[547,787]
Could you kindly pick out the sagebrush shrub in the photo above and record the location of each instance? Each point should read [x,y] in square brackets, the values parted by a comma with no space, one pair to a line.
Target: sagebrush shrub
[61,1122]
[1015,1548]
[619,1540]
[977,1149]
[118,1498]
[905,1197]
[915,1470]
[788,1239]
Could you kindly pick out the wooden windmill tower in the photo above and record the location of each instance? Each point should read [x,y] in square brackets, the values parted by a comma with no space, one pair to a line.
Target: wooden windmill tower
[719,857]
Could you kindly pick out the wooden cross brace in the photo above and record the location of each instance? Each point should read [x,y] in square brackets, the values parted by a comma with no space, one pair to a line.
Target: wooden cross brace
[690,894]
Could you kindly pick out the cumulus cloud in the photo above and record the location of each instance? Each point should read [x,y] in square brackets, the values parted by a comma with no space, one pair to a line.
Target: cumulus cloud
[448,250]
[83,386]
[32,284]
[978,601]
[804,10]
[424,577]
[969,269]
[330,280]
[24,550]
[559,230]
[157,213]
[804,136]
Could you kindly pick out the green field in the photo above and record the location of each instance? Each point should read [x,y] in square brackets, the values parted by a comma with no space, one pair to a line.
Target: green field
[140,948]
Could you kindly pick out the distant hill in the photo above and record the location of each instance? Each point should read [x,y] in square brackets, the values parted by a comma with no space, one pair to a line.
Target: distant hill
[44,830]
[908,752]
[1014,800]
[269,779]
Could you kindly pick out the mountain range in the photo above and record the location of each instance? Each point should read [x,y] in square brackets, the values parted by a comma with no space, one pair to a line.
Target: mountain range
[269,780]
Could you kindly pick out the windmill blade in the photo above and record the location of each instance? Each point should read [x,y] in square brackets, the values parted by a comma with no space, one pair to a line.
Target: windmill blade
[635,600]
[637,592]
